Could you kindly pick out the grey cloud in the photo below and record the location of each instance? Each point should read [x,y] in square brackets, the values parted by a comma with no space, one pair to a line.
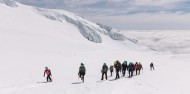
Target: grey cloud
[107,8]
[122,6]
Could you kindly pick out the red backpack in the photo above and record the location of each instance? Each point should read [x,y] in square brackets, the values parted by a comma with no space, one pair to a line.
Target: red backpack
[47,72]
[139,66]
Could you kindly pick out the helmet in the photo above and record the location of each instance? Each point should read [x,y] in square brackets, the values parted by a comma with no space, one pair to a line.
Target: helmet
[81,64]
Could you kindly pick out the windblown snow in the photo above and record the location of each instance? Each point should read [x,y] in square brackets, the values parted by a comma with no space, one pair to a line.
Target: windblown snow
[33,38]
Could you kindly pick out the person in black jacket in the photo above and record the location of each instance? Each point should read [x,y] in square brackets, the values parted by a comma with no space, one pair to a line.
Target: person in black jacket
[151,66]
[82,72]
[131,68]
[117,66]
[111,70]
[124,67]
[104,71]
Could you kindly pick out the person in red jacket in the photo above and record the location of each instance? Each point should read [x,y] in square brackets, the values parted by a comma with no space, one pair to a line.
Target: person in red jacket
[48,73]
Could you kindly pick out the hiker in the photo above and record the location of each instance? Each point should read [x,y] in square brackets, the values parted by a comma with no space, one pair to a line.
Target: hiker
[124,67]
[48,73]
[104,71]
[82,71]
[131,68]
[151,66]
[117,66]
[138,68]
[111,69]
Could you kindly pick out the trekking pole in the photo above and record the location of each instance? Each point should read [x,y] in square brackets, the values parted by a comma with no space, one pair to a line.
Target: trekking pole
[142,70]
[78,77]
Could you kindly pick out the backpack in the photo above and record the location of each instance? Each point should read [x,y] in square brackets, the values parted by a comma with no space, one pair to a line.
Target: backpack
[82,69]
[151,65]
[47,72]
[139,66]
[118,65]
[111,68]
[105,68]
[136,66]
[115,64]
[132,66]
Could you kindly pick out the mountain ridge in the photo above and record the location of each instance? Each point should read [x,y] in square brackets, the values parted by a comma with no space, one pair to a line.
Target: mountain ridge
[91,31]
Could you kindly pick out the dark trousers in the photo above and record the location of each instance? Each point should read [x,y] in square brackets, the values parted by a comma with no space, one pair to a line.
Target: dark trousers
[117,74]
[123,71]
[104,73]
[151,68]
[138,72]
[49,78]
[130,73]
[81,75]
[111,71]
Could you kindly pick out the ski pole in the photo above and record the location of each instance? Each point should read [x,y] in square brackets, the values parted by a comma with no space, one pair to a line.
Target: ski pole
[142,70]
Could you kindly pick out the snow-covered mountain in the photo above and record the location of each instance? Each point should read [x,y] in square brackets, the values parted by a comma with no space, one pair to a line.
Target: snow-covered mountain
[89,30]
[11,3]
[32,38]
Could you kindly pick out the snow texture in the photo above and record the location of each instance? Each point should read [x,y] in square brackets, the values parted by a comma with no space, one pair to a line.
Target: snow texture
[89,30]
[112,32]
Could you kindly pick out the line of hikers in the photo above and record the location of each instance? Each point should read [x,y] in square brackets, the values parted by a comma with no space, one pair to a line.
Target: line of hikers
[118,68]
[122,68]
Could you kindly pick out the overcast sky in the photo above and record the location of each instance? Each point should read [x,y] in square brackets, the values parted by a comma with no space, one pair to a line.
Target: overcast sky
[127,14]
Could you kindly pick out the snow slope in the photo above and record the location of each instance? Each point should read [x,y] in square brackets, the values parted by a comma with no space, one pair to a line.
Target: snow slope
[172,79]
[32,38]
